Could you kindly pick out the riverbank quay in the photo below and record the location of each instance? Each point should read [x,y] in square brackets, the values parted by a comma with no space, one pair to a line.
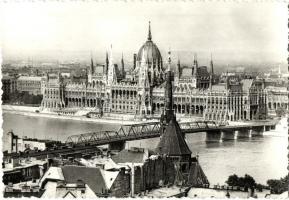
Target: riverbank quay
[121,119]
[34,112]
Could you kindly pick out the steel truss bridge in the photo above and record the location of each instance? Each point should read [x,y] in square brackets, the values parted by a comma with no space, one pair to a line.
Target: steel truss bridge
[88,142]
[148,130]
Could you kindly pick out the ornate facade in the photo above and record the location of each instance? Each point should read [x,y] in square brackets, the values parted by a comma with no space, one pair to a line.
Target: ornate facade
[277,98]
[141,91]
[236,100]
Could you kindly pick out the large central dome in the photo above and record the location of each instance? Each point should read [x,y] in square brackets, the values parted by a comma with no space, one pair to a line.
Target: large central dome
[150,50]
[149,59]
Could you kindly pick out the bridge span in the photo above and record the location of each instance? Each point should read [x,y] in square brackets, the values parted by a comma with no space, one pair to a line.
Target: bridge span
[117,139]
[87,143]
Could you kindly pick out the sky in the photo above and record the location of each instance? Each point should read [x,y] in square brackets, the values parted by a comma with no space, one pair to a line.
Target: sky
[232,32]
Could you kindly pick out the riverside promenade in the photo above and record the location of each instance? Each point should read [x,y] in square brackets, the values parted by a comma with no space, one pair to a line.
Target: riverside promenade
[119,119]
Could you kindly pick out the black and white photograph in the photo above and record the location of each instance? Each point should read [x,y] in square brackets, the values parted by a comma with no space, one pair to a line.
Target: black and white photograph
[144,99]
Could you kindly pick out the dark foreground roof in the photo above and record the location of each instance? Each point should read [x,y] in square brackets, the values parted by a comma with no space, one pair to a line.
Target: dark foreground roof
[197,176]
[172,142]
[90,176]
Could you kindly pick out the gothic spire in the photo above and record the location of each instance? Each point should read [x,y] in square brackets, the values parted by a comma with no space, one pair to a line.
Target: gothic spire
[178,70]
[195,69]
[212,66]
[169,60]
[122,66]
[106,64]
[111,75]
[169,112]
[110,56]
[195,59]
[86,77]
[91,66]
[149,34]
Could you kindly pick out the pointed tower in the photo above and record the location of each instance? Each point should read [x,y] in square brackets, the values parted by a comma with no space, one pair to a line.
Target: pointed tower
[227,81]
[172,142]
[122,67]
[169,111]
[86,77]
[195,72]
[111,74]
[179,68]
[149,33]
[91,66]
[178,72]
[144,88]
[211,73]
[106,63]
[195,66]
[212,65]
[143,71]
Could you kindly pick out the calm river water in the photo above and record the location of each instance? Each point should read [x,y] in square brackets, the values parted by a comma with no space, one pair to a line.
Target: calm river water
[263,157]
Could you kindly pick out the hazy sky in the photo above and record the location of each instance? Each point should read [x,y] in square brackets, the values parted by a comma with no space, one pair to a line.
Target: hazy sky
[233,32]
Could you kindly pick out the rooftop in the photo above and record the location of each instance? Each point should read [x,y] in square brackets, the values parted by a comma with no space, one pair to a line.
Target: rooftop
[105,162]
[172,141]
[30,78]
[136,155]
[91,176]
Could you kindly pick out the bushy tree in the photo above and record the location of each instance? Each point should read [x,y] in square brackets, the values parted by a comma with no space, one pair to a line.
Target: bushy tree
[246,182]
[278,186]
[233,180]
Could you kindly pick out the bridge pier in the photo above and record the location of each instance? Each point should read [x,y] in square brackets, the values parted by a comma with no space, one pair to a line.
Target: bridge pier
[273,127]
[257,130]
[214,136]
[116,146]
[244,133]
[267,128]
[229,134]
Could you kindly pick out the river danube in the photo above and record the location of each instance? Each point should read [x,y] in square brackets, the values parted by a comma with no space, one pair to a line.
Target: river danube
[263,157]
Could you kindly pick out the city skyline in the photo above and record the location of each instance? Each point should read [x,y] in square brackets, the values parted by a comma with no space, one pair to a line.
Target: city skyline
[236,34]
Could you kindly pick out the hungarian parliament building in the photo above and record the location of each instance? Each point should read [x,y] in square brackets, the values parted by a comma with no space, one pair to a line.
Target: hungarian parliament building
[140,90]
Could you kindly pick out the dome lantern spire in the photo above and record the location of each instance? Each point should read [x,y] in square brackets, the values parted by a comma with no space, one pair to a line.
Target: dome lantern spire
[149,34]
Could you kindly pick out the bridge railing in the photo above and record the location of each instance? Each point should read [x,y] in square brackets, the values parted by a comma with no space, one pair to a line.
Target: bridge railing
[144,130]
[125,132]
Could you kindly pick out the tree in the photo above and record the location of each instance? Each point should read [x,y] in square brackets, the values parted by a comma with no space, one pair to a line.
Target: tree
[246,182]
[249,182]
[278,186]
[233,180]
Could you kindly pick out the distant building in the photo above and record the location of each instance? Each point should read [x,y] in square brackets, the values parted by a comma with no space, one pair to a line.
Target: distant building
[32,85]
[277,98]
[10,141]
[138,91]
[24,189]
[54,92]
[9,86]
[18,170]
[14,144]
[236,100]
